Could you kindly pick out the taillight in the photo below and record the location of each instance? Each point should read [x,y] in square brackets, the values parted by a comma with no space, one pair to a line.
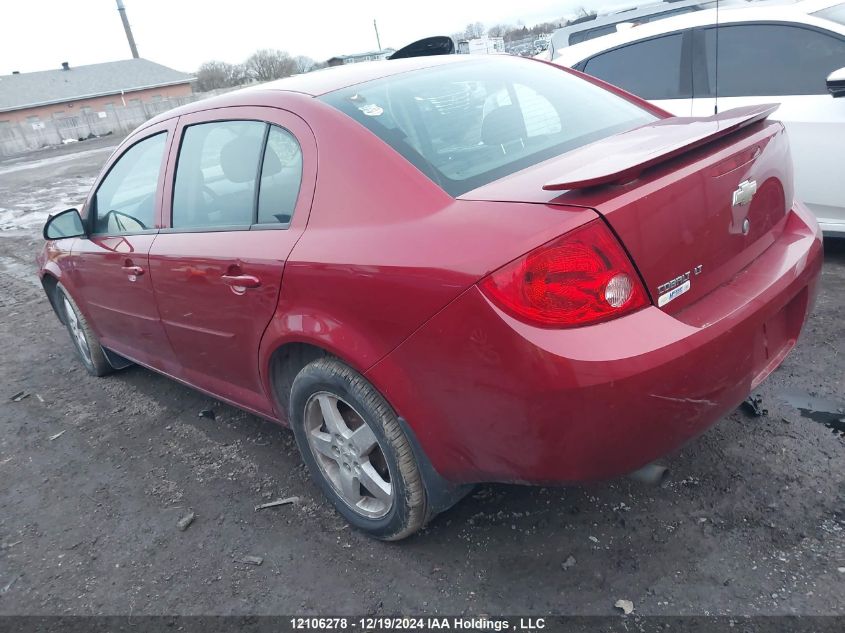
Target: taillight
[579,278]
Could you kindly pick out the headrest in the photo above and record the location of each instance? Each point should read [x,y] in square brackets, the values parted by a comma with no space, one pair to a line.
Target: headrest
[234,159]
[503,125]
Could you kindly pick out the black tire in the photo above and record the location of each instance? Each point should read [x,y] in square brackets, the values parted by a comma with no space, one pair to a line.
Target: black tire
[327,378]
[94,360]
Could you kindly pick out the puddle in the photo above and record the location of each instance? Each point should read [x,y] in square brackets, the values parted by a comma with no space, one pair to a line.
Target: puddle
[822,410]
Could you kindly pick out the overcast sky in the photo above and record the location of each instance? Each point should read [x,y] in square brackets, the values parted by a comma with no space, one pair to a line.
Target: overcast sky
[40,34]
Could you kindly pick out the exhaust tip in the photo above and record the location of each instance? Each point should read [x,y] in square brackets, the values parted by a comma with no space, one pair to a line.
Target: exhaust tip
[651,474]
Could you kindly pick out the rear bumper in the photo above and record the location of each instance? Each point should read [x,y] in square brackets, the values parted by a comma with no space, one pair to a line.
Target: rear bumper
[493,399]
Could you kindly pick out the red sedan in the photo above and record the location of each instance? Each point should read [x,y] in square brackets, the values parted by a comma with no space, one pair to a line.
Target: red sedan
[445,270]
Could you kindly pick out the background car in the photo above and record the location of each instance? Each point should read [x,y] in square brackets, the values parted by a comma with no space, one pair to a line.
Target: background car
[772,54]
[445,270]
[591,26]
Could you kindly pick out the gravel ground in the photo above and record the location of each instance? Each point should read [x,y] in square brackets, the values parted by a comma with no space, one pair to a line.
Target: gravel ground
[96,473]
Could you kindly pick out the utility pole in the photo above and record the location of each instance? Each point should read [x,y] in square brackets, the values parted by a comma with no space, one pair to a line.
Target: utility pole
[378,41]
[122,10]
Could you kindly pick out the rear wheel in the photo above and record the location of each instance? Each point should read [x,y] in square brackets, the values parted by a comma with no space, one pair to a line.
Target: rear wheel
[356,451]
[87,347]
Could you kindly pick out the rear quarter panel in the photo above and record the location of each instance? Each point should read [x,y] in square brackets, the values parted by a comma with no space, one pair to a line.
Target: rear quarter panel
[385,248]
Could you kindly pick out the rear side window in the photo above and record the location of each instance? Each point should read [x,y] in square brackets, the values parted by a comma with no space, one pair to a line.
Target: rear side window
[467,124]
[217,173]
[125,201]
[582,36]
[836,13]
[281,175]
[651,69]
[777,60]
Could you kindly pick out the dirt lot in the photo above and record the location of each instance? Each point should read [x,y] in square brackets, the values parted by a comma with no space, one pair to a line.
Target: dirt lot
[96,473]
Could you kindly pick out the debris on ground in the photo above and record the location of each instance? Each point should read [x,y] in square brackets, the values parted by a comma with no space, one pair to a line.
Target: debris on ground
[186,521]
[20,395]
[57,435]
[9,584]
[568,563]
[207,413]
[626,605]
[753,406]
[252,560]
[277,502]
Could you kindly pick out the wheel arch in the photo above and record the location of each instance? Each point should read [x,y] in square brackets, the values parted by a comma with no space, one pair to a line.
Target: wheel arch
[285,361]
[49,281]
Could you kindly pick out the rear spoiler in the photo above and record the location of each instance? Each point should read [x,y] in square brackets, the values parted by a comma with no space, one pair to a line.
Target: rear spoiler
[622,157]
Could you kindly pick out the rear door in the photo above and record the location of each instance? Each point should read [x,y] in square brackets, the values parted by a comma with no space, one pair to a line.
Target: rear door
[783,63]
[110,267]
[658,69]
[237,197]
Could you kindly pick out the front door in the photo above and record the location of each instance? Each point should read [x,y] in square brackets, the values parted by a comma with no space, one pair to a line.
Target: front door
[237,198]
[110,267]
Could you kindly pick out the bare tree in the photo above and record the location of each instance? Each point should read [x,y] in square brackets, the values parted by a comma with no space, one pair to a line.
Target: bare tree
[304,63]
[499,30]
[473,31]
[268,64]
[214,75]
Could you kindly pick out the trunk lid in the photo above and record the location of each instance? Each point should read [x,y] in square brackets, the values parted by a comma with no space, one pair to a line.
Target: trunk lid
[693,200]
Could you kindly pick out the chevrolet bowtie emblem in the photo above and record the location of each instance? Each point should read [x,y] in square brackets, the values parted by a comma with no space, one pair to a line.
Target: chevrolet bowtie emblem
[744,193]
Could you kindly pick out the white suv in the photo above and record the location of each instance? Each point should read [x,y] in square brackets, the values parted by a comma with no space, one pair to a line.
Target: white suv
[792,54]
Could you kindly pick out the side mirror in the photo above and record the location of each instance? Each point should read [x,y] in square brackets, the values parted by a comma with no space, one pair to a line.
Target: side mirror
[68,223]
[836,83]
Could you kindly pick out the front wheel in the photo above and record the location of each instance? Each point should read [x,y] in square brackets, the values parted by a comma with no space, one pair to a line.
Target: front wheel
[356,451]
[84,340]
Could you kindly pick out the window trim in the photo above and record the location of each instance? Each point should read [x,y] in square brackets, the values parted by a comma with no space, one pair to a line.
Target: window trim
[90,221]
[686,69]
[254,225]
[700,51]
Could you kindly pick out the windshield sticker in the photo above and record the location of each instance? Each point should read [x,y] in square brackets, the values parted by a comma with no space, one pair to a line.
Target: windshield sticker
[371,109]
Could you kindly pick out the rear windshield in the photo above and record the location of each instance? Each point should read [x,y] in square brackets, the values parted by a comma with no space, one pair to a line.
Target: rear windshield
[465,125]
[836,13]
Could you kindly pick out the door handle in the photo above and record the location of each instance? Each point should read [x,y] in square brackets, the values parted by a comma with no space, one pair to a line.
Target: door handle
[134,271]
[241,281]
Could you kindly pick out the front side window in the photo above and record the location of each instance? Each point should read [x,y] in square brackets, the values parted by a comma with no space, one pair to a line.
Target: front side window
[467,124]
[125,200]
[777,60]
[651,69]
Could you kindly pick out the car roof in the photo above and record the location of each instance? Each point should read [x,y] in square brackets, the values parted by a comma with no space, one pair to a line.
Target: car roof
[320,82]
[315,83]
[572,55]
[622,15]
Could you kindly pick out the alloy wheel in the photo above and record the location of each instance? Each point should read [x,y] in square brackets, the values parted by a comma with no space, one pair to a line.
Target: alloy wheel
[76,332]
[348,455]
